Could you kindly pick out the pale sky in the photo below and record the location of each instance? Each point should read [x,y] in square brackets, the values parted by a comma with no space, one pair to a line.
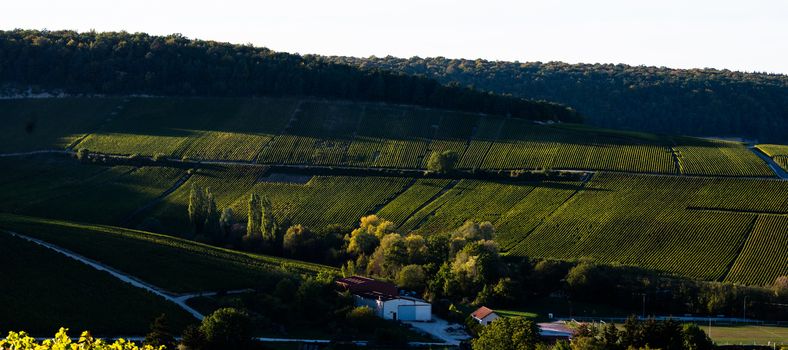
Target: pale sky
[748,35]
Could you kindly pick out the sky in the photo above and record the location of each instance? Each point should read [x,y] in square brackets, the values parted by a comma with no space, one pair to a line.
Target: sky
[745,35]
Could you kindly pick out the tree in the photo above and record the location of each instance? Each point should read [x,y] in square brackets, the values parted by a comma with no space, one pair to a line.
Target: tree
[695,338]
[442,162]
[412,277]
[212,221]
[780,286]
[417,249]
[587,279]
[226,222]
[362,243]
[362,318]
[193,338]
[269,228]
[253,217]
[160,334]
[83,155]
[394,251]
[227,328]
[300,242]
[508,333]
[197,205]
[471,231]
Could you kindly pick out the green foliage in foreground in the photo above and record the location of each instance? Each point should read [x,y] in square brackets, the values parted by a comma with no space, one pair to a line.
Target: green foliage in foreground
[175,264]
[62,341]
[47,289]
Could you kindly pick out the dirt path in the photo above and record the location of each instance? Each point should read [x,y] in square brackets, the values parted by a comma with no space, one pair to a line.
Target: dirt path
[778,170]
[127,220]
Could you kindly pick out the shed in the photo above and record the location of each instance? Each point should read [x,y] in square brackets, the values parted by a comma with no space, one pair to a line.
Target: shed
[484,315]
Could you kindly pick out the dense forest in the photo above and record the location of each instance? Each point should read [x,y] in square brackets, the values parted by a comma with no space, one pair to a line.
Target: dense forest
[697,102]
[123,63]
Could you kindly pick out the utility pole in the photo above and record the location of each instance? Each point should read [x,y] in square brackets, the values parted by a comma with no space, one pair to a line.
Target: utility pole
[744,314]
[644,305]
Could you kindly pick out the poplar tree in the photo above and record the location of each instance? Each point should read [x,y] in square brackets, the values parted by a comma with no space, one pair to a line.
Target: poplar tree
[196,209]
[212,217]
[254,219]
[267,222]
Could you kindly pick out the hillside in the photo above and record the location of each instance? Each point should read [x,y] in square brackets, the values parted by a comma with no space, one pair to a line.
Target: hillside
[342,133]
[123,63]
[698,102]
[76,296]
[700,227]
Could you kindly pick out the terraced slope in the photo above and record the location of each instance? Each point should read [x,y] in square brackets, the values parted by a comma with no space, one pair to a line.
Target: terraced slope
[51,291]
[337,133]
[177,265]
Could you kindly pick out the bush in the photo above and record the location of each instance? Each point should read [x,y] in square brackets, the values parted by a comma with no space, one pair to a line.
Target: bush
[83,154]
[159,157]
[443,162]
[227,328]
[362,318]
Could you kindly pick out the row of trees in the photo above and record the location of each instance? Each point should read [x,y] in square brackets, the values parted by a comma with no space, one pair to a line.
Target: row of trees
[700,102]
[522,334]
[124,63]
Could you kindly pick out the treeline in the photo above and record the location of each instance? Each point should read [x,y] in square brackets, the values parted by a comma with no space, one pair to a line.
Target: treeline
[698,102]
[125,63]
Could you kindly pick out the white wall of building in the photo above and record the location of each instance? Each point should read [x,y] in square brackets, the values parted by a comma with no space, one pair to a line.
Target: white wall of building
[487,320]
[389,308]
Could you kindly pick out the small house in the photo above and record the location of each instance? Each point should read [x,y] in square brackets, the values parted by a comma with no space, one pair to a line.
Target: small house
[484,315]
[385,300]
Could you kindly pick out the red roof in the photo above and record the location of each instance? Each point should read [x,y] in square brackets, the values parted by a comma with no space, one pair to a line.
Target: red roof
[481,313]
[360,284]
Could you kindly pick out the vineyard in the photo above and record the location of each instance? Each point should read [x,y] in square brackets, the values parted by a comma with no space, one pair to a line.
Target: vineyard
[320,202]
[177,265]
[76,296]
[689,226]
[234,129]
[65,189]
[777,152]
[665,223]
[336,133]
[713,157]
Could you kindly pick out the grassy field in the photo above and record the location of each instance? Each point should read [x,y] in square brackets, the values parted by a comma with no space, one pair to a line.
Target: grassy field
[281,130]
[748,335]
[45,291]
[177,265]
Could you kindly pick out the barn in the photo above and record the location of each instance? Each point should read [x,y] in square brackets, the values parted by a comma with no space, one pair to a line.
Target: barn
[484,315]
[384,299]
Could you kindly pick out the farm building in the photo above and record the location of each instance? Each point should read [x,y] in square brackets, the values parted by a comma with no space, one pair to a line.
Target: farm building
[484,315]
[385,300]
